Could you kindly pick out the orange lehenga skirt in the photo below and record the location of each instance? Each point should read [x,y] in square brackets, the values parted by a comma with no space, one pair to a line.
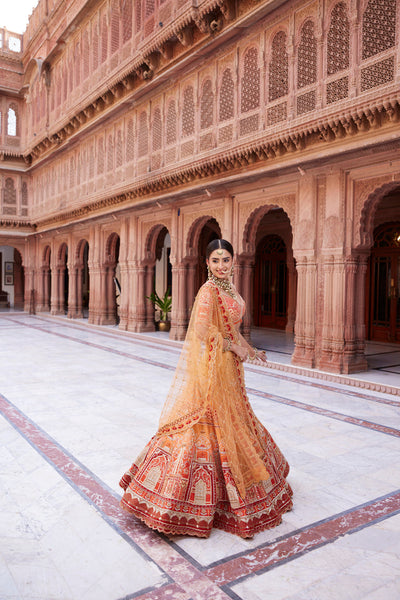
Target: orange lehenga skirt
[181,484]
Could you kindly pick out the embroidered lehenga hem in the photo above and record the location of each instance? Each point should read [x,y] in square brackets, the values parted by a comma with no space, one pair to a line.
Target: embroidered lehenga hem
[172,523]
[181,484]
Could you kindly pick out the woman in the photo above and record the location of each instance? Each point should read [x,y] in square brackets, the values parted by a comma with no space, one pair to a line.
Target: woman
[211,462]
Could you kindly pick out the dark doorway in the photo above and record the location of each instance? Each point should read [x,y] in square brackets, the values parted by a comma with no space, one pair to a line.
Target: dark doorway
[271,283]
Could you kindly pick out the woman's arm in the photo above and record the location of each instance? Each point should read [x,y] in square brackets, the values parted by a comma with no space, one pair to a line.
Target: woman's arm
[244,351]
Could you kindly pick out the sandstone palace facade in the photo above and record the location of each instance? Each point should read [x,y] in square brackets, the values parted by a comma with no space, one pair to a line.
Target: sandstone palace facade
[132,132]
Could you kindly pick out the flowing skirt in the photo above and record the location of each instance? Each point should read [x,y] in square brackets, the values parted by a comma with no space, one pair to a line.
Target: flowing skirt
[181,484]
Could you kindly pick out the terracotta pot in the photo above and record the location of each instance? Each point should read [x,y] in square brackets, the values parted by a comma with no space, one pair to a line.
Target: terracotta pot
[164,325]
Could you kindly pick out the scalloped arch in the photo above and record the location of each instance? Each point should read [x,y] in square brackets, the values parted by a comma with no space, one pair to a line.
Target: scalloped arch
[193,236]
[151,240]
[62,252]
[364,233]
[252,223]
[80,249]
[111,247]
[46,255]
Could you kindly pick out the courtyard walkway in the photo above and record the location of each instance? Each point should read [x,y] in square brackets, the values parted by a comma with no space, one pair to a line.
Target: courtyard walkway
[78,403]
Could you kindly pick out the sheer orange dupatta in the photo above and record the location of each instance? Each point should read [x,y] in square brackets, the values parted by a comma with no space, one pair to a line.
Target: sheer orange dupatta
[206,377]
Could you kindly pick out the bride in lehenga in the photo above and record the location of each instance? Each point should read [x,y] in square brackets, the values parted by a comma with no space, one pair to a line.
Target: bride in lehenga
[211,463]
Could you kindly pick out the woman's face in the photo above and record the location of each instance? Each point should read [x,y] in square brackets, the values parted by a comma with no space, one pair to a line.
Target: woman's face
[220,262]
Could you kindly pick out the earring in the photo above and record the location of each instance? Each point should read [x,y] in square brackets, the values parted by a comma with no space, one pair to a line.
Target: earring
[232,271]
[209,272]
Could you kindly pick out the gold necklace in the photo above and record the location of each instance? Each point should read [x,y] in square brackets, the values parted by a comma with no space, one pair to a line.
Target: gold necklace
[223,284]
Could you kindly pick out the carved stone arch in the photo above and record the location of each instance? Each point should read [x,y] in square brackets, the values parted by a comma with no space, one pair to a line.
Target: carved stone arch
[112,248]
[46,256]
[150,245]
[62,253]
[280,28]
[79,251]
[193,236]
[364,232]
[253,221]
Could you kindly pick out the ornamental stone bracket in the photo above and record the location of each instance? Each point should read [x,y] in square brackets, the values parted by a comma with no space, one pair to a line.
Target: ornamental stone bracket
[248,155]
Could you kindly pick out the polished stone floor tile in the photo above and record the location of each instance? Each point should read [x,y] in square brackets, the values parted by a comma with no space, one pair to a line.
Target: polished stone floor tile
[79,402]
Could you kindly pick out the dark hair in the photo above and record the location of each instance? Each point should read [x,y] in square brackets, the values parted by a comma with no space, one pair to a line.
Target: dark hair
[214,244]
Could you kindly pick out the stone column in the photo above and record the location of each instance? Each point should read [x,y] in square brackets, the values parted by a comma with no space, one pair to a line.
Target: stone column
[46,279]
[179,306]
[124,275]
[110,316]
[72,292]
[360,286]
[94,270]
[149,287]
[304,352]
[137,309]
[40,292]
[125,295]
[29,286]
[61,290]
[79,292]
[291,307]
[326,341]
[354,351]
[54,302]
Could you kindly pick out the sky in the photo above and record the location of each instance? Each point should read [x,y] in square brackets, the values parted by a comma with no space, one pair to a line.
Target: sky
[14,14]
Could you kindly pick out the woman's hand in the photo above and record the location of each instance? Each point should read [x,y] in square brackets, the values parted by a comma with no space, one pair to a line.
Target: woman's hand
[240,351]
[261,357]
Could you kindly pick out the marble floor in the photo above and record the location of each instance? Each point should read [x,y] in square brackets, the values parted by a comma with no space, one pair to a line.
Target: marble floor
[78,403]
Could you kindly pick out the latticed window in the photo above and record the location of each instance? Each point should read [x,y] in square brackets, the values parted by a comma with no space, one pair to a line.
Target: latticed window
[70,71]
[10,193]
[119,157]
[138,15]
[91,162]
[226,98]
[24,194]
[71,172]
[278,68]
[206,105]
[171,123]
[250,97]
[85,55]
[143,135]
[377,74]
[100,156]
[156,130]
[379,27]
[110,153]
[77,64]
[65,83]
[126,13]
[104,40]
[150,5]
[338,40]
[130,142]
[188,112]
[307,56]
[95,46]
[114,26]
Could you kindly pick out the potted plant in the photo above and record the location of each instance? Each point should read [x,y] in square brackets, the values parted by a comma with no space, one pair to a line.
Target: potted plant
[164,306]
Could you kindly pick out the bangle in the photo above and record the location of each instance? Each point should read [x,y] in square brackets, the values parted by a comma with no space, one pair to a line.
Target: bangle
[251,358]
[229,344]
